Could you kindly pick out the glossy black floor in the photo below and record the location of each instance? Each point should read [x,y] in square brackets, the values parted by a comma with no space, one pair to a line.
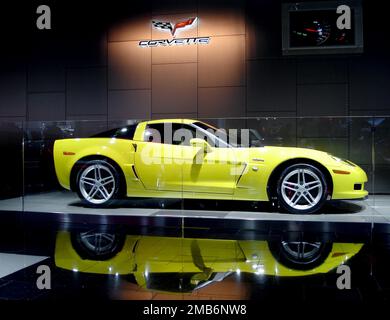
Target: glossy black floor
[168,258]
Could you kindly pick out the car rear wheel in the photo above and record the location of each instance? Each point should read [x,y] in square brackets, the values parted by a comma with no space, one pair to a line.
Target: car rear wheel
[302,189]
[98,183]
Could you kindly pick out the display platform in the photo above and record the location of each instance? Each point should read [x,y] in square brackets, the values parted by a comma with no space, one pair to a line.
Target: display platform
[129,265]
[375,209]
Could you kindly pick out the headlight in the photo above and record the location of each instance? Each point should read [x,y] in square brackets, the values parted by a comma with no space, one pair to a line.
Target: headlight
[347,162]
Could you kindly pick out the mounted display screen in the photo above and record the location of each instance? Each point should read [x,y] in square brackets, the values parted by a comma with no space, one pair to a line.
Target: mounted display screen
[310,28]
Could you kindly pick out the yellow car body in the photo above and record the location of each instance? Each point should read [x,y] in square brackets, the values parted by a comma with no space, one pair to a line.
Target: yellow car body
[143,256]
[170,171]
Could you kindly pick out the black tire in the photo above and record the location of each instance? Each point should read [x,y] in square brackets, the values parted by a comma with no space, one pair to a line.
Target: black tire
[309,201]
[97,245]
[113,189]
[291,255]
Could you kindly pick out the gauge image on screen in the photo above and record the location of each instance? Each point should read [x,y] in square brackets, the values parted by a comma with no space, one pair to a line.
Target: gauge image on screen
[317,28]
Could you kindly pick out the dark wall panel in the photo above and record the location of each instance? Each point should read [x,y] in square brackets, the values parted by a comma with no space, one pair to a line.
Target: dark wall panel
[229,101]
[271,85]
[175,88]
[369,83]
[129,67]
[46,78]
[322,71]
[86,92]
[13,94]
[46,106]
[322,100]
[222,62]
[129,104]
[263,29]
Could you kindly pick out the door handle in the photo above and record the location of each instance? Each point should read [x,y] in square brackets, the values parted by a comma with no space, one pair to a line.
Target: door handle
[235,162]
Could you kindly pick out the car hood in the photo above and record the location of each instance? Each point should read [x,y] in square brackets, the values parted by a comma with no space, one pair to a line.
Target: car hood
[283,153]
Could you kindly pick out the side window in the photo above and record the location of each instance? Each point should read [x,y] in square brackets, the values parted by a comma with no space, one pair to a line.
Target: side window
[182,134]
[169,133]
[154,133]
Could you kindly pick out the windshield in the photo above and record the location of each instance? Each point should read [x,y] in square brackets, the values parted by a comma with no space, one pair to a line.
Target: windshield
[237,138]
[214,136]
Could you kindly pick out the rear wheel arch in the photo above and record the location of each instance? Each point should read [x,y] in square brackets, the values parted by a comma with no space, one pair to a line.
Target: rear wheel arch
[82,161]
[274,177]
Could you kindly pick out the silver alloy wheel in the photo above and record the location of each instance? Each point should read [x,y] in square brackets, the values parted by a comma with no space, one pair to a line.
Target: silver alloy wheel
[97,242]
[302,251]
[97,184]
[302,189]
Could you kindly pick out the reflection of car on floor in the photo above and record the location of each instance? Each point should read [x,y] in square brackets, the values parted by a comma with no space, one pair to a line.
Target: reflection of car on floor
[189,159]
[183,264]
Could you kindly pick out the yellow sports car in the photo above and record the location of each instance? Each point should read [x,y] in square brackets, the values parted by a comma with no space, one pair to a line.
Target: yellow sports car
[182,158]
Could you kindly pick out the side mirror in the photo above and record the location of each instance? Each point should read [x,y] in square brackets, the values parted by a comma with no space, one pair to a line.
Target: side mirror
[200,143]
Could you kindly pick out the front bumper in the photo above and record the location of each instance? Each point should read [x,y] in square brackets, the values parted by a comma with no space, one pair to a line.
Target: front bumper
[345,186]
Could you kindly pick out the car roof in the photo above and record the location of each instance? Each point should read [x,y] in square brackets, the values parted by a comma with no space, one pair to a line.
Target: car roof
[187,121]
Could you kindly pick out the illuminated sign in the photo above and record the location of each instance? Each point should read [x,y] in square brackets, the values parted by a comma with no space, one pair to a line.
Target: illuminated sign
[174,28]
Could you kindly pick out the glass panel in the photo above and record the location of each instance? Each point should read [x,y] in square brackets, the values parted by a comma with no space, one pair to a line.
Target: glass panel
[174,176]
[380,127]
[11,162]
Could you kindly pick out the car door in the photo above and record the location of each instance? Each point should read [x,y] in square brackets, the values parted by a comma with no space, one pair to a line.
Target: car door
[168,254]
[213,172]
[157,160]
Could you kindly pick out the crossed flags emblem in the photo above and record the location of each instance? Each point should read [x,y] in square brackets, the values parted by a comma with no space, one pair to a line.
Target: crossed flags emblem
[164,25]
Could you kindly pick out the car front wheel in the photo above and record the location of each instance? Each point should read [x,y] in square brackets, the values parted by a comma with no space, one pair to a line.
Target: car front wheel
[302,189]
[300,254]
